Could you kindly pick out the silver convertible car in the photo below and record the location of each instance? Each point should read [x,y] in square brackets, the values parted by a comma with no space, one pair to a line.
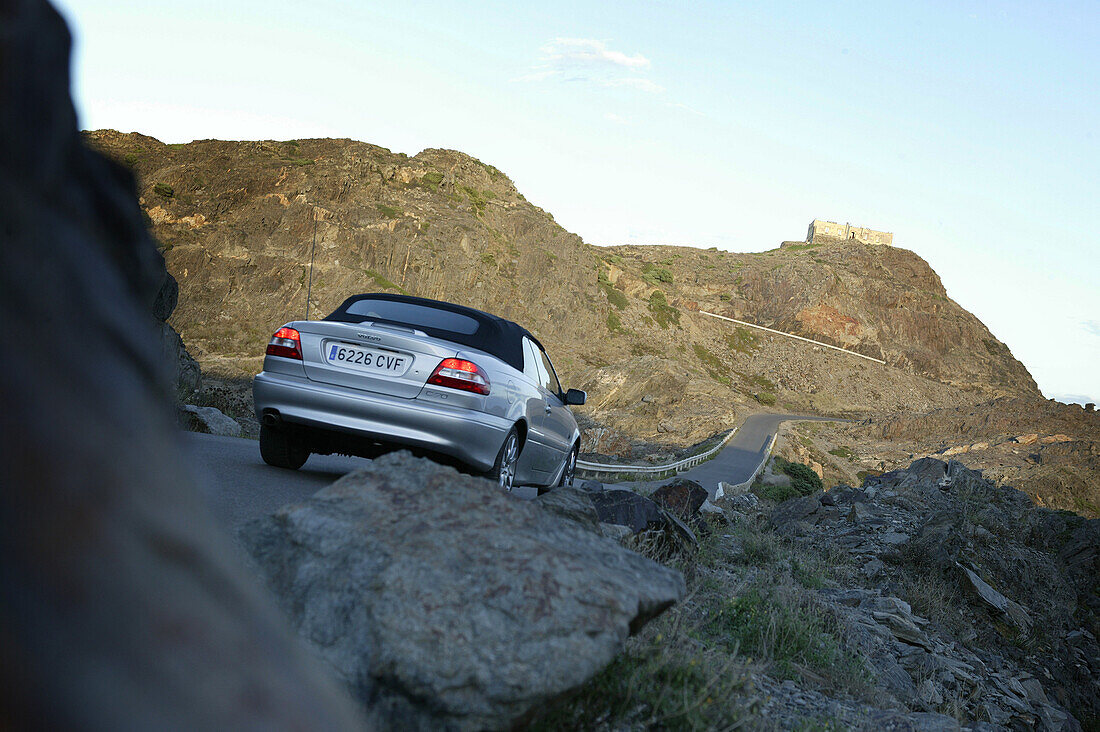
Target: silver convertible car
[391,371]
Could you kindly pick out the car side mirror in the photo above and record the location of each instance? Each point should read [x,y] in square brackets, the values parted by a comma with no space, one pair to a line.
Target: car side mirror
[575,396]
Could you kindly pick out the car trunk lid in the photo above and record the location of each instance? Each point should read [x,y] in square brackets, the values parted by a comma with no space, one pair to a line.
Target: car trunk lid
[375,357]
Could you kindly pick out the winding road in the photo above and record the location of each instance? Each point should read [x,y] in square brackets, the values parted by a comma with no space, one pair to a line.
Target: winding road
[742,454]
[239,486]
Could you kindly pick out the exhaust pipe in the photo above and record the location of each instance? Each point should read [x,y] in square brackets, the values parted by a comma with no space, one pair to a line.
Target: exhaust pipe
[271,418]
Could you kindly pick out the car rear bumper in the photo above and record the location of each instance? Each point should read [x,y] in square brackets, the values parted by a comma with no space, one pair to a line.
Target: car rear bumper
[466,435]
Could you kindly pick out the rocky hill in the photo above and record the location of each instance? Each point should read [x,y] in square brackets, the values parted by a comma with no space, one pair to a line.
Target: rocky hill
[236,220]
[1047,449]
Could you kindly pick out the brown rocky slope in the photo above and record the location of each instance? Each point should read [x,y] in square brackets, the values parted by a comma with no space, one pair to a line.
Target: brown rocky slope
[236,220]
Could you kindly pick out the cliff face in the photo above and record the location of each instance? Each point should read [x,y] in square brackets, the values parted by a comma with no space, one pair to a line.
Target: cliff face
[236,221]
[876,300]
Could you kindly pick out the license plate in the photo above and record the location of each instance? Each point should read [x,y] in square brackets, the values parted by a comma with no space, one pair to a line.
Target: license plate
[367,359]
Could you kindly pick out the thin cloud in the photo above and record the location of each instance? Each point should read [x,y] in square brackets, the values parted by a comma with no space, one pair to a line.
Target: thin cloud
[591,51]
[686,108]
[1092,326]
[616,118]
[591,61]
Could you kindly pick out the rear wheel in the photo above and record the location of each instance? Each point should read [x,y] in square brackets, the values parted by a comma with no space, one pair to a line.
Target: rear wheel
[279,447]
[504,469]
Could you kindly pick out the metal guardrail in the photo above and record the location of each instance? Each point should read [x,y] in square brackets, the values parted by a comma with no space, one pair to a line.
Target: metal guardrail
[689,462]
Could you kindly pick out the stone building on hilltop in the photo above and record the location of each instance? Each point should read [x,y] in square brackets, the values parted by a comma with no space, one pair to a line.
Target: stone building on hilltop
[819,227]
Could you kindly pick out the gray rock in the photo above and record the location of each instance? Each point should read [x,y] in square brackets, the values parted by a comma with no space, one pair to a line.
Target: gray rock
[1012,610]
[617,506]
[591,486]
[209,420]
[681,496]
[442,601]
[573,504]
[615,532]
[929,694]
[903,629]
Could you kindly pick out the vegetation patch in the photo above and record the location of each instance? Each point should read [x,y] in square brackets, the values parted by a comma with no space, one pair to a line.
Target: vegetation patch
[614,324]
[390,212]
[382,282]
[663,313]
[803,478]
[432,179]
[164,190]
[742,340]
[614,296]
[714,366]
[477,198]
[489,259]
[655,275]
[843,452]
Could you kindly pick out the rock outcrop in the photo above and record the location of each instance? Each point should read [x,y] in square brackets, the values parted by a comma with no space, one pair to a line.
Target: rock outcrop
[1015,628]
[122,606]
[443,602]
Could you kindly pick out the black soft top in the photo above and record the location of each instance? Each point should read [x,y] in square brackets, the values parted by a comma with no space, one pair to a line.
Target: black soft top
[502,338]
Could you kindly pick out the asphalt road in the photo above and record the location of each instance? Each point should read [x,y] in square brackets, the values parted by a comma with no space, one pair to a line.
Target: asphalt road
[737,461]
[239,486]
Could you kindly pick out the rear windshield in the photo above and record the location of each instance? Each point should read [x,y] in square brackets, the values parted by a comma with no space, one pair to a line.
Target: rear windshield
[413,315]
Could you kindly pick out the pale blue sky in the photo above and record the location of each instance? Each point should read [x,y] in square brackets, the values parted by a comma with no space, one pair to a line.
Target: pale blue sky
[971,130]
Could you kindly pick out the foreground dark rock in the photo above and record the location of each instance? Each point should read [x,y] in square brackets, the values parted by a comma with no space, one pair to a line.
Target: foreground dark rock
[122,606]
[681,496]
[443,602]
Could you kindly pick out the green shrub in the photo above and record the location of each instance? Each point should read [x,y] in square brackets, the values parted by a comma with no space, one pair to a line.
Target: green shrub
[164,190]
[389,212]
[725,297]
[803,478]
[777,493]
[432,179]
[765,397]
[131,160]
[663,313]
[488,259]
[654,275]
[614,324]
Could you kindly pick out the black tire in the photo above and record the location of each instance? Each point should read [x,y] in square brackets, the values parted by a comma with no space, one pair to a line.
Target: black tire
[569,471]
[504,469]
[279,447]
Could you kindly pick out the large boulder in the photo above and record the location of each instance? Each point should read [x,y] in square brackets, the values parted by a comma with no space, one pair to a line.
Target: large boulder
[122,604]
[627,508]
[443,602]
[681,496]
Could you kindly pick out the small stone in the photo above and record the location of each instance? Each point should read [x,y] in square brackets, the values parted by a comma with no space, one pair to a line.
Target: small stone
[903,629]
[928,693]
[873,568]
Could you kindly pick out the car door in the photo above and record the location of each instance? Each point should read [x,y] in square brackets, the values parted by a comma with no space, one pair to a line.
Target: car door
[560,421]
[539,451]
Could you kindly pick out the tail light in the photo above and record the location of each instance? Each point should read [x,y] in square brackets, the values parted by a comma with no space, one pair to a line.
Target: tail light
[456,373]
[286,342]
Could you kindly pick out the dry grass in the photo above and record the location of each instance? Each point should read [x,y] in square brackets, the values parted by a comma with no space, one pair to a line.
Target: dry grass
[751,609]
